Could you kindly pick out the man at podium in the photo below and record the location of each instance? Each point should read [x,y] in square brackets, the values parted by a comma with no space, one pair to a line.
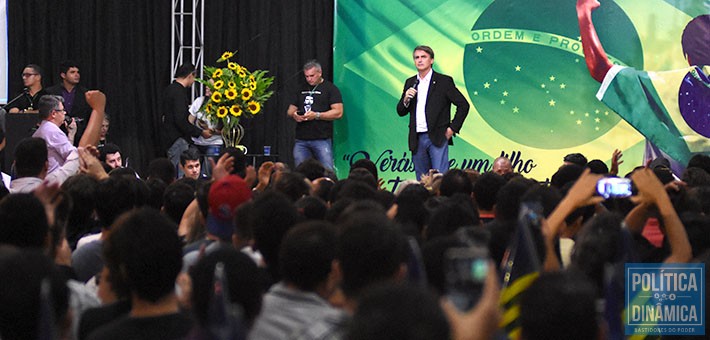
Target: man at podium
[28,98]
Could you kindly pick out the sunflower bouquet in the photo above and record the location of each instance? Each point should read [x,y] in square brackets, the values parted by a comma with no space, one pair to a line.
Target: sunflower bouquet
[236,93]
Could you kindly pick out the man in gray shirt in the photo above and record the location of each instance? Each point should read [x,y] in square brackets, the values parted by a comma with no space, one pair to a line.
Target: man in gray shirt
[306,260]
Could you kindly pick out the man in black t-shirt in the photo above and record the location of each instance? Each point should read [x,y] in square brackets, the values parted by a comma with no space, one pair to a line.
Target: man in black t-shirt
[314,109]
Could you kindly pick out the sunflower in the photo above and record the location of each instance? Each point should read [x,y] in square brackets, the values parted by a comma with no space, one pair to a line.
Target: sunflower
[252,79]
[242,72]
[254,107]
[217,73]
[208,108]
[252,86]
[235,110]
[230,94]
[218,84]
[246,94]
[222,112]
[232,85]
[216,97]
[232,66]
[226,55]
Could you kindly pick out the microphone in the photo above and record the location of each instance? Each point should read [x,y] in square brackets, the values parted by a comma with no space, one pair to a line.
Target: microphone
[415,84]
[68,119]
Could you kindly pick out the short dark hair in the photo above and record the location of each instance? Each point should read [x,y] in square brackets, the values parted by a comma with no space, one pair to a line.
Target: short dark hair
[189,155]
[184,70]
[455,181]
[352,189]
[363,175]
[82,190]
[23,222]
[108,148]
[311,168]
[116,195]
[365,164]
[566,174]
[597,166]
[576,158]
[64,66]
[546,311]
[156,189]
[30,157]
[454,212]
[700,161]
[293,185]
[426,49]
[370,250]
[486,189]
[696,40]
[176,198]
[242,278]
[273,215]
[145,252]
[162,169]
[307,254]
[47,104]
[311,208]
[508,198]
[401,312]
[25,272]
[35,67]
[240,160]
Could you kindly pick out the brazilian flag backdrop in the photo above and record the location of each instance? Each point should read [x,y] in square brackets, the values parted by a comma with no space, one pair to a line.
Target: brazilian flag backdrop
[519,63]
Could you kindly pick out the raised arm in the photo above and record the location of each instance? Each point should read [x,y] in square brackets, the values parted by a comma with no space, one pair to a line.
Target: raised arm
[597,61]
[97,101]
[651,190]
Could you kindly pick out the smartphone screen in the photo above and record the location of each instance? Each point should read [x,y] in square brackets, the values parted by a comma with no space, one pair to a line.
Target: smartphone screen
[613,187]
[466,271]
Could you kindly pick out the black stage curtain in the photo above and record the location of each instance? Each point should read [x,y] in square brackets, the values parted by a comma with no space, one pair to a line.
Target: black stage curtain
[123,49]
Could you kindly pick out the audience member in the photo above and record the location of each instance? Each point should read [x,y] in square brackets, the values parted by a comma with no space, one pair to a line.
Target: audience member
[560,305]
[110,154]
[502,166]
[162,169]
[149,269]
[391,312]
[190,163]
[575,158]
[114,196]
[309,278]
[273,215]
[176,198]
[225,196]
[242,288]
[34,300]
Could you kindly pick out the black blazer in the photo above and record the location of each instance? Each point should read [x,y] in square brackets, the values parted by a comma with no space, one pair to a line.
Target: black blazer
[442,93]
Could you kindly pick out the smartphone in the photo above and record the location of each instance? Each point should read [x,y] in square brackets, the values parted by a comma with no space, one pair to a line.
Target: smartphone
[465,269]
[614,187]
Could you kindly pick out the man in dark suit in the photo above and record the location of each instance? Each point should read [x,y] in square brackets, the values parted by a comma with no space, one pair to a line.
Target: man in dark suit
[427,98]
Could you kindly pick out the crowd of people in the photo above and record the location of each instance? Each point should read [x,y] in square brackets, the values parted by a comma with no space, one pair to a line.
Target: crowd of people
[280,253]
[201,249]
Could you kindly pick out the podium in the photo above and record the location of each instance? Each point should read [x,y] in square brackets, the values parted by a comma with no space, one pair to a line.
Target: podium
[17,127]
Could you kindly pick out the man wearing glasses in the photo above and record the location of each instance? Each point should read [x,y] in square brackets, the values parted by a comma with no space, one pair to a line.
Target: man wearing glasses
[59,148]
[32,82]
